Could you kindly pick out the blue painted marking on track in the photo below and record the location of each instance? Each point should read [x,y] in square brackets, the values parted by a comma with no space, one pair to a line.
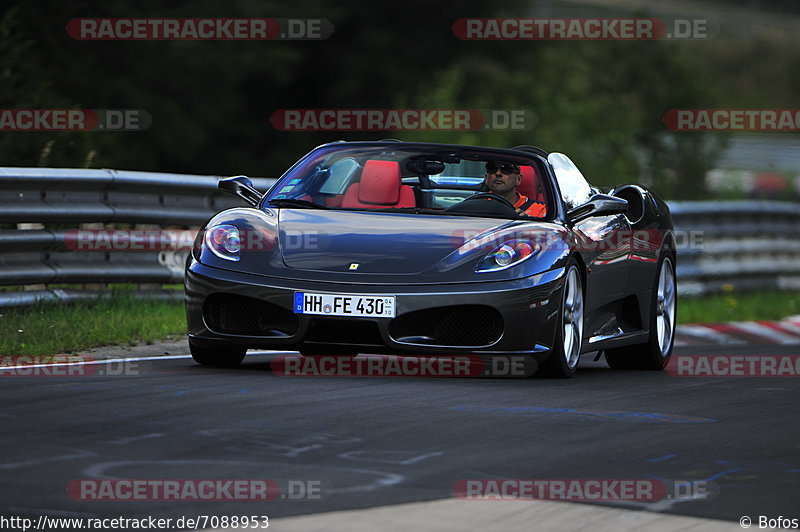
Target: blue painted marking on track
[750,468]
[636,417]
[665,457]
[722,473]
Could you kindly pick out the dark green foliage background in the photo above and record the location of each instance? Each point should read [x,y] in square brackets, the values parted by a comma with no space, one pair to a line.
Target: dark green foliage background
[600,102]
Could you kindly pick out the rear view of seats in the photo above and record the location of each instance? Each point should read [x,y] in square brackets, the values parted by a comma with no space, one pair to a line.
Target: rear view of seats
[380,188]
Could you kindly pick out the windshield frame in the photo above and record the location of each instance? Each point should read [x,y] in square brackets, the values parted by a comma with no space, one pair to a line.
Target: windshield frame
[309,163]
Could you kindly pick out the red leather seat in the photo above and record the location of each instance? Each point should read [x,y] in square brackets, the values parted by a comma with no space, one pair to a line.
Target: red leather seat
[380,188]
[531,185]
[334,201]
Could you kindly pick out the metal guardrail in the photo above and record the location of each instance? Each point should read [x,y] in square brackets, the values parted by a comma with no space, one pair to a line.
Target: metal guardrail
[65,195]
[69,197]
[745,244]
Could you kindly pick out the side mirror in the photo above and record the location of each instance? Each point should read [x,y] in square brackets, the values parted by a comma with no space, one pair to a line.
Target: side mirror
[598,205]
[241,186]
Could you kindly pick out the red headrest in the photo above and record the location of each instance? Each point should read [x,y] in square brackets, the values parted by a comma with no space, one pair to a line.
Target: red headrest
[529,186]
[380,183]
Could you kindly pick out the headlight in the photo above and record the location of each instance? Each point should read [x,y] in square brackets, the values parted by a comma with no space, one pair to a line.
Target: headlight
[223,241]
[508,254]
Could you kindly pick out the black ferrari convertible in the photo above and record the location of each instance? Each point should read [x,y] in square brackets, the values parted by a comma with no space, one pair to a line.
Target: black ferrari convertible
[418,249]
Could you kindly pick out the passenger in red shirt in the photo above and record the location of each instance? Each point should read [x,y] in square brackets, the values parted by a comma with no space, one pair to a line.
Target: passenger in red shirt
[503,180]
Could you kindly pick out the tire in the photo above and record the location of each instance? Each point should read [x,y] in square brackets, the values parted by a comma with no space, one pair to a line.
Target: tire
[221,357]
[655,354]
[566,352]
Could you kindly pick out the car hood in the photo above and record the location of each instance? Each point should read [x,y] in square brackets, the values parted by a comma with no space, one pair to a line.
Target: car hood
[389,248]
[372,243]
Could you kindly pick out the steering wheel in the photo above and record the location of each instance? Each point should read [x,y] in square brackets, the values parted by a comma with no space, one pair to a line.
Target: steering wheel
[473,206]
[490,196]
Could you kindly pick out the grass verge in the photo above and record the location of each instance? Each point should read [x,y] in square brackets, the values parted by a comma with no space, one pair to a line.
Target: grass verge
[59,328]
[738,306]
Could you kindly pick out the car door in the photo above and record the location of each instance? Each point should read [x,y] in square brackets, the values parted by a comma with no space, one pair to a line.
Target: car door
[603,241]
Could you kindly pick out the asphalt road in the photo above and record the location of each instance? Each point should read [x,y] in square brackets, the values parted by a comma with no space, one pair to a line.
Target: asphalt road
[376,441]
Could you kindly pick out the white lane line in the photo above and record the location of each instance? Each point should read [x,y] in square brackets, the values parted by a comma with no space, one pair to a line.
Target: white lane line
[768,333]
[86,362]
[383,479]
[133,439]
[83,360]
[18,465]
[706,333]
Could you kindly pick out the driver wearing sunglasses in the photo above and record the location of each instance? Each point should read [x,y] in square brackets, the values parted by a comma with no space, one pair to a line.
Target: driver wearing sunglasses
[503,179]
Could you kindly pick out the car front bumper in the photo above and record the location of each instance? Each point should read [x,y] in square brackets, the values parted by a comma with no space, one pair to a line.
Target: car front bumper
[227,308]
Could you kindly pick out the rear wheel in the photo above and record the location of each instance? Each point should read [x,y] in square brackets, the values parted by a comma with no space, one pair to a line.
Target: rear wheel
[569,337]
[224,357]
[655,354]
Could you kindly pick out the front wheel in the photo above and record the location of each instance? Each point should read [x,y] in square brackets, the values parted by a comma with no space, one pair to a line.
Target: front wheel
[655,354]
[563,362]
[223,357]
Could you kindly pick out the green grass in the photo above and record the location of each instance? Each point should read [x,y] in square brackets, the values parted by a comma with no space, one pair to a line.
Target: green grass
[736,306]
[59,328]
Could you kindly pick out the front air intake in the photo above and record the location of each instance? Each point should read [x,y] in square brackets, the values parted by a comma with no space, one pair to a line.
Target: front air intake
[247,316]
[453,326]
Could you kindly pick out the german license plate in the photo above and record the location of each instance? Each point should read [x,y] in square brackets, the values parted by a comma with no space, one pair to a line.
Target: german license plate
[372,306]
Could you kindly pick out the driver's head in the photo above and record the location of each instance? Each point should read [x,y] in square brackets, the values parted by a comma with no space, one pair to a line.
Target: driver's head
[502,178]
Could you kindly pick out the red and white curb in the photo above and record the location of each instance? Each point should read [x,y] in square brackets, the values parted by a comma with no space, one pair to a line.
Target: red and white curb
[784,332]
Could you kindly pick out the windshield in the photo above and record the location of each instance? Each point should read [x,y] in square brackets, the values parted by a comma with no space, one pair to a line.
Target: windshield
[435,181]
